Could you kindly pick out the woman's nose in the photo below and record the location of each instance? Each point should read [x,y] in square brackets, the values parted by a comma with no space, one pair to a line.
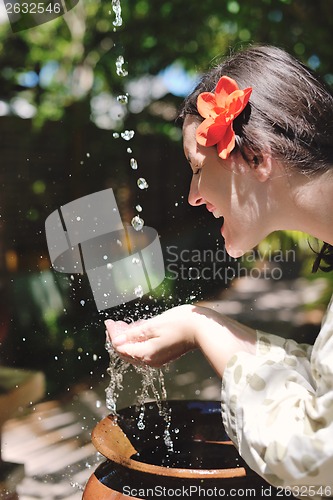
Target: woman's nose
[194,197]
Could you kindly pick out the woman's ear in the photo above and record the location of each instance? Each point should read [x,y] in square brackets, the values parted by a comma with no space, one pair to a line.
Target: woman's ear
[261,165]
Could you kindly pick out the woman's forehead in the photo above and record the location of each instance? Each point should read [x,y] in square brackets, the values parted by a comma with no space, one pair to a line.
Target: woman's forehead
[189,138]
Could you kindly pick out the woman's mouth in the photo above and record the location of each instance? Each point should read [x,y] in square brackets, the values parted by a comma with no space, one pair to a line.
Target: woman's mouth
[217,214]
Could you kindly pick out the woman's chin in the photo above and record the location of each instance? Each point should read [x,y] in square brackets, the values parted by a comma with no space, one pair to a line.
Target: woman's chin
[234,245]
[235,251]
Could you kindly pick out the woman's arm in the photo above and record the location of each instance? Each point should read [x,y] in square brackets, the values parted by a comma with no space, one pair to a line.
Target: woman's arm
[277,395]
[161,339]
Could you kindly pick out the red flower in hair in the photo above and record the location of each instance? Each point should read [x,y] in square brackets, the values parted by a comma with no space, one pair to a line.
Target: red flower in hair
[219,110]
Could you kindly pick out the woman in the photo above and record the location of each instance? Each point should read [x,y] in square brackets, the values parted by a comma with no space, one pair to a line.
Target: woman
[258,134]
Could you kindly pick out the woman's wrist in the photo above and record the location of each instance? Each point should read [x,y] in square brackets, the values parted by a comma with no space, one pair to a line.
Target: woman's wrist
[220,337]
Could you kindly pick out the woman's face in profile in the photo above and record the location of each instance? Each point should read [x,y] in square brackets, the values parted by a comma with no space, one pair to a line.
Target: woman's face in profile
[229,189]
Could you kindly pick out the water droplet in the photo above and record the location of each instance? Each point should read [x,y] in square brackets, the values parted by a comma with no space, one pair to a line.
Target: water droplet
[134,164]
[108,345]
[135,260]
[122,99]
[138,208]
[119,67]
[138,291]
[129,150]
[142,183]
[88,155]
[82,302]
[98,404]
[127,135]
[116,7]
[78,218]
[137,223]
[141,426]
[119,243]
[105,257]
[109,265]
[115,135]
[76,485]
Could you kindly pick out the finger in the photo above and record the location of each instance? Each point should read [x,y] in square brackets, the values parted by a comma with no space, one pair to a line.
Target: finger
[121,332]
[136,353]
[131,360]
[115,328]
[132,335]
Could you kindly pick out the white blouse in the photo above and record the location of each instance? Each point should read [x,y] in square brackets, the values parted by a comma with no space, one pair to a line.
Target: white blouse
[277,407]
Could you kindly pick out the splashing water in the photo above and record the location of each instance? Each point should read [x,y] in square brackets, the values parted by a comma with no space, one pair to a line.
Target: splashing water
[116,370]
[116,7]
[149,375]
[77,485]
[137,223]
[152,382]
[134,164]
[127,135]
[122,99]
[152,378]
[142,183]
[138,291]
[119,66]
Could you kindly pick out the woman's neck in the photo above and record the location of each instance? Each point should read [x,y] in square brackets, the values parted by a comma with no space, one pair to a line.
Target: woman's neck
[310,205]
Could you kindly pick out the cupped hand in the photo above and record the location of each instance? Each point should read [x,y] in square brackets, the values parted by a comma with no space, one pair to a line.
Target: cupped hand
[166,337]
[155,341]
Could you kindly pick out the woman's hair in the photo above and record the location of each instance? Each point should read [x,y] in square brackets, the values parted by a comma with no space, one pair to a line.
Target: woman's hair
[290,112]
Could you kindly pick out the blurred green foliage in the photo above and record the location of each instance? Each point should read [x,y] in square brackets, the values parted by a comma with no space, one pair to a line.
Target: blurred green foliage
[83,46]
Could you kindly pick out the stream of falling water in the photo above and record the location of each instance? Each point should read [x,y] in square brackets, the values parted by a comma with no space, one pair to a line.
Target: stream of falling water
[152,378]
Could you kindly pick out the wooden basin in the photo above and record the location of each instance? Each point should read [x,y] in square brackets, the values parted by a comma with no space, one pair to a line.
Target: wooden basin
[140,465]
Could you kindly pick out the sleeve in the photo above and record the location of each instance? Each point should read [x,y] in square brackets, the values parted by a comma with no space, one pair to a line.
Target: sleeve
[277,407]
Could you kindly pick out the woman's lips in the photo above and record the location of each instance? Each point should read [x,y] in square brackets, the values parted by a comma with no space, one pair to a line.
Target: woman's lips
[210,208]
[217,214]
[214,211]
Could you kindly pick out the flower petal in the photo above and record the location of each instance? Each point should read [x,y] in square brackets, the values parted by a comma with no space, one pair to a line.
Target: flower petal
[205,104]
[225,86]
[202,131]
[215,133]
[227,144]
[219,110]
[238,101]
